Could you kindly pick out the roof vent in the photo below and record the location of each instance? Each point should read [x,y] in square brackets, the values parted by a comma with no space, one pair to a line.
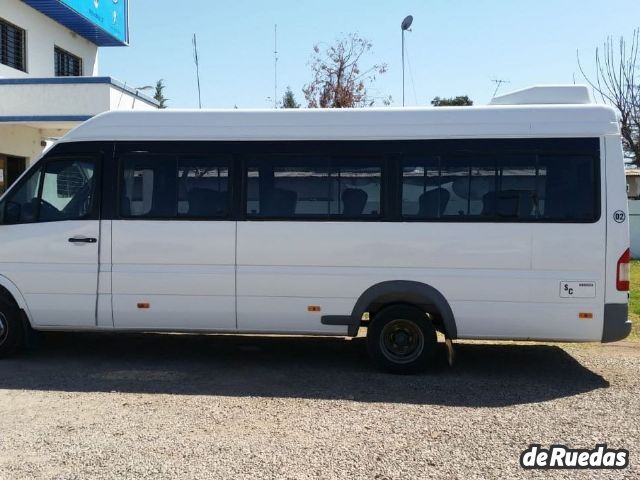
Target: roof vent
[546,95]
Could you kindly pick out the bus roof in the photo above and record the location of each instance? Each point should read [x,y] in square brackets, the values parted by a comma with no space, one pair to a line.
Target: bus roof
[576,118]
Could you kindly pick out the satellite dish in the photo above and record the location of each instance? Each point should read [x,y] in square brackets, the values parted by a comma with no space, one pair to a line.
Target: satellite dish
[406,23]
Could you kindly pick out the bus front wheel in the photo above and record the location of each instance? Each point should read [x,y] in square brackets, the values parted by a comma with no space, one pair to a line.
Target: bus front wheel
[11,328]
[402,339]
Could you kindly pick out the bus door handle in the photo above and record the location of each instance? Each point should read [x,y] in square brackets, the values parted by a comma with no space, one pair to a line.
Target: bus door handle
[80,240]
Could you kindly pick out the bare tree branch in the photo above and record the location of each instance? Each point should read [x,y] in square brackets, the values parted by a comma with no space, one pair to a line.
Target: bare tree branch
[617,82]
[338,81]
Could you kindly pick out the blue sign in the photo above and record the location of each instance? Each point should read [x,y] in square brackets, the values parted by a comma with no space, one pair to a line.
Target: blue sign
[109,15]
[103,22]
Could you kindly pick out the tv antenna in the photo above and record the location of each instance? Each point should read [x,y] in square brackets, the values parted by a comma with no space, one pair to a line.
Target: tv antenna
[197,62]
[499,83]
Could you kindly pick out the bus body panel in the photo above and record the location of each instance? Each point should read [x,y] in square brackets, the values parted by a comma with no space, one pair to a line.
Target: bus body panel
[490,266]
[322,124]
[183,270]
[616,202]
[104,308]
[57,279]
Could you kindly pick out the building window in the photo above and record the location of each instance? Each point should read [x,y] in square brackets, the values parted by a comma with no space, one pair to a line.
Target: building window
[67,64]
[12,42]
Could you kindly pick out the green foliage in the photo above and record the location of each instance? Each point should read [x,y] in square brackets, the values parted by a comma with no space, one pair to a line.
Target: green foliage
[289,99]
[459,101]
[159,95]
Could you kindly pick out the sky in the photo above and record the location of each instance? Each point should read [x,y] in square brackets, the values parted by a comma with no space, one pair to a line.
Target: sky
[456,47]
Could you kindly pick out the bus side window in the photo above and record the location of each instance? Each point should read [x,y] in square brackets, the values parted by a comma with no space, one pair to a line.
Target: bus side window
[520,188]
[288,187]
[60,189]
[570,187]
[67,190]
[312,187]
[148,186]
[494,187]
[355,188]
[20,204]
[422,195]
[203,187]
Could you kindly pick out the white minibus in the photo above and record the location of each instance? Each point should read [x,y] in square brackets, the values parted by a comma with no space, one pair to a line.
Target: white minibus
[505,221]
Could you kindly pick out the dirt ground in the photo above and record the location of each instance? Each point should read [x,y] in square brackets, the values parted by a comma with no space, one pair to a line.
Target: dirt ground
[200,407]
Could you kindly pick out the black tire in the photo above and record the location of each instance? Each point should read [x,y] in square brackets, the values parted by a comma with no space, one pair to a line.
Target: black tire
[401,339]
[11,328]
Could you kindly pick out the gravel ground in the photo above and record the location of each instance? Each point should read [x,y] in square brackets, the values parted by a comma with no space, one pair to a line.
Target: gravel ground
[180,406]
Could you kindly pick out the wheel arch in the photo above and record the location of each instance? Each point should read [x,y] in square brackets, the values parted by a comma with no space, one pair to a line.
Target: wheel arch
[8,288]
[410,292]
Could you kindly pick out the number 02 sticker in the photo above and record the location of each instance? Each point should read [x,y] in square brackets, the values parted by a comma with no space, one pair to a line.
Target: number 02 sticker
[619,216]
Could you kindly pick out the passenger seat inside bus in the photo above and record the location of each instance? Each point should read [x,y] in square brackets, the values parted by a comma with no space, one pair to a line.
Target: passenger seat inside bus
[433,203]
[353,202]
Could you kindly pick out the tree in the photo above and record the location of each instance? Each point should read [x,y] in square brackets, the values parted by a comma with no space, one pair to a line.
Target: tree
[459,101]
[338,79]
[159,95]
[617,82]
[289,99]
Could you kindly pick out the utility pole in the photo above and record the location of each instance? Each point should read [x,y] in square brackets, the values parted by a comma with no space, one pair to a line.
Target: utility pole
[196,60]
[406,25]
[275,66]
[403,67]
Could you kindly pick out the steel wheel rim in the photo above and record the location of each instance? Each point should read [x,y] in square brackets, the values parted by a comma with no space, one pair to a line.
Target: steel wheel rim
[4,328]
[401,341]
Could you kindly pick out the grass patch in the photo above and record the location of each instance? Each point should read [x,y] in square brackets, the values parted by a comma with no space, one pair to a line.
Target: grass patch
[634,300]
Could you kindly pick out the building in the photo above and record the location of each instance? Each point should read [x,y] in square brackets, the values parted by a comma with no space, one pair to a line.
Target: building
[49,77]
[633,195]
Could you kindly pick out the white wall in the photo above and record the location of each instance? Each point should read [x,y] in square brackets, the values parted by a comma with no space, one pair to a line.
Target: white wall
[634,227]
[66,99]
[47,99]
[20,141]
[126,101]
[633,186]
[43,34]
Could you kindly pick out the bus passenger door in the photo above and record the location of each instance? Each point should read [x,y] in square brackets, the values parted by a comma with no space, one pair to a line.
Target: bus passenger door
[173,244]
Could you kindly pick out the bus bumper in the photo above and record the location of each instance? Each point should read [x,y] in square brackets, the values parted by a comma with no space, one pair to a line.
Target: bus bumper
[616,325]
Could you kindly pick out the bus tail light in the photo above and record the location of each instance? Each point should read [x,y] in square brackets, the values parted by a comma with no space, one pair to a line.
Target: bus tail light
[622,272]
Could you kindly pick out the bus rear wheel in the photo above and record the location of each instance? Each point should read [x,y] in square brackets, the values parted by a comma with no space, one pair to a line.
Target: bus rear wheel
[401,339]
[11,328]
